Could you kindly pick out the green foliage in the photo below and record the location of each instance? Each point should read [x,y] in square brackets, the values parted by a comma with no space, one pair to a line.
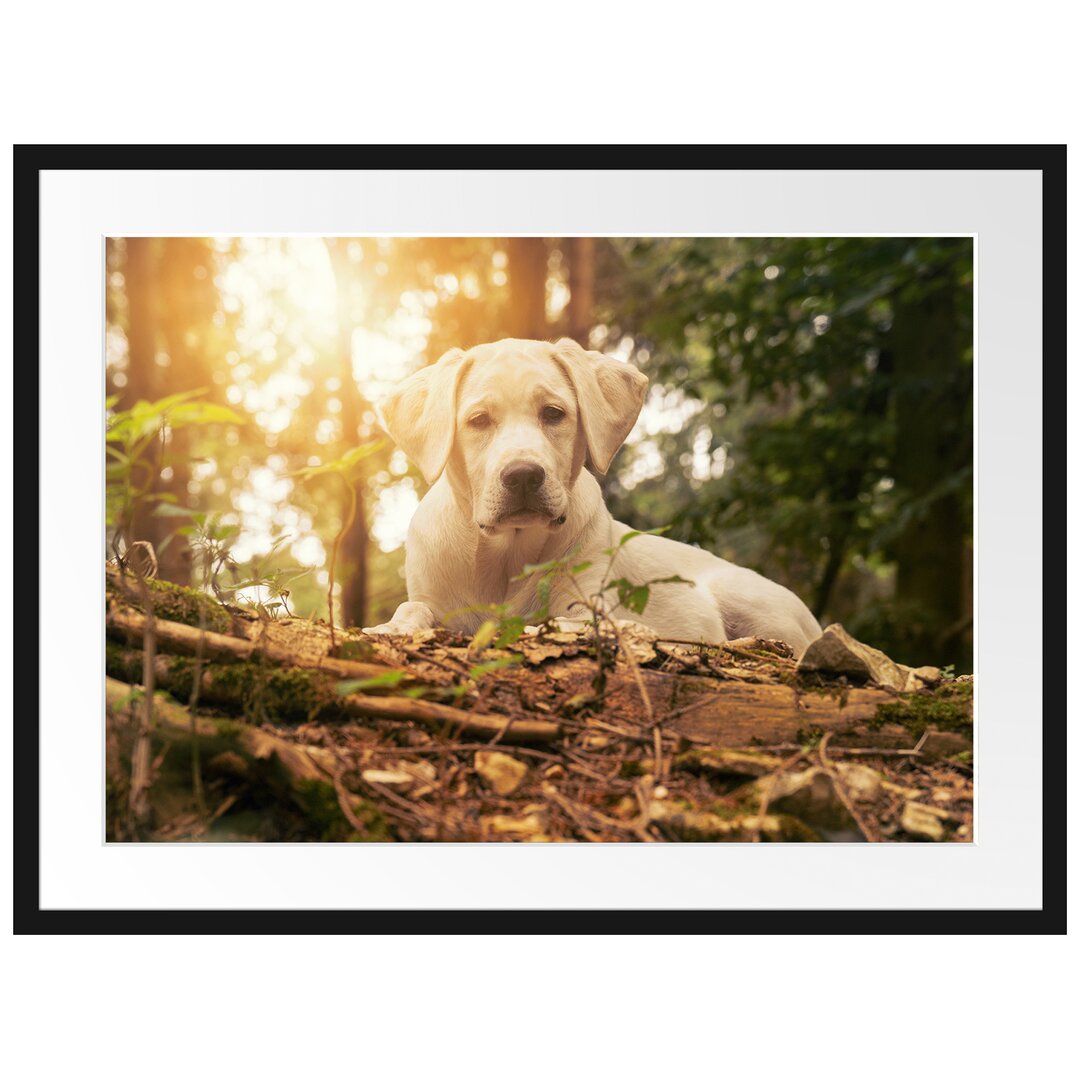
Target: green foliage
[795,360]
[385,681]
[130,435]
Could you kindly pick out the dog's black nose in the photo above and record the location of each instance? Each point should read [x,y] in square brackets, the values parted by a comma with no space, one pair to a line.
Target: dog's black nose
[523,478]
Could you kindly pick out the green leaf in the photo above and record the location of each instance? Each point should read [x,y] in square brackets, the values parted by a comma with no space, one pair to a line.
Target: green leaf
[387,679]
[510,631]
[632,597]
[343,464]
[167,509]
[633,534]
[494,665]
[548,567]
[485,635]
[202,412]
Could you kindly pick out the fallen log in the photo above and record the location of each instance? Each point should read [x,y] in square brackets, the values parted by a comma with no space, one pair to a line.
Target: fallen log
[304,775]
[298,694]
[669,749]
[184,640]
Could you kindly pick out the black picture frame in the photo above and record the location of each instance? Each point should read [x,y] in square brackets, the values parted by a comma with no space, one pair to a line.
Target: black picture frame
[31,160]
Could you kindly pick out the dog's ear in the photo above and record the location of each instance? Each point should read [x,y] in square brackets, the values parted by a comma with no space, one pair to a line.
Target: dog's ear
[610,394]
[420,415]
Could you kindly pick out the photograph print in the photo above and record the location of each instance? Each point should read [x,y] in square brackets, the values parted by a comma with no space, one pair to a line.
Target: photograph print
[540,539]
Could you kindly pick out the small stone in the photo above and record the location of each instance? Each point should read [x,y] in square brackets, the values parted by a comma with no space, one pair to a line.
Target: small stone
[554,772]
[393,779]
[422,770]
[660,792]
[923,821]
[862,782]
[928,676]
[503,773]
[809,795]
[530,825]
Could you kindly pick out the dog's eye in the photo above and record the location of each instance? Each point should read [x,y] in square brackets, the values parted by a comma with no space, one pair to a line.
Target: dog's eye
[551,414]
[479,421]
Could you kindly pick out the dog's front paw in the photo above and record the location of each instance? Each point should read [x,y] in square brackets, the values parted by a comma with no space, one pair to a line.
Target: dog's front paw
[409,618]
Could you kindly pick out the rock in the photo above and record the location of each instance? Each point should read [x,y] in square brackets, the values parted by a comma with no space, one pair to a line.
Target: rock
[836,652]
[809,795]
[943,744]
[863,783]
[527,827]
[927,676]
[503,773]
[925,822]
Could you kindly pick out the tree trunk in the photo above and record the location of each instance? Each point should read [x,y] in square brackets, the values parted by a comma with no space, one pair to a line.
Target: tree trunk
[354,544]
[930,581]
[582,252]
[527,263]
[142,286]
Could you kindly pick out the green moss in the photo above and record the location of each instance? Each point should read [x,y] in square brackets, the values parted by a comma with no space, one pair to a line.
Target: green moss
[122,663]
[319,801]
[175,603]
[810,736]
[280,695]
[286,695]
[945,708]
[353,650]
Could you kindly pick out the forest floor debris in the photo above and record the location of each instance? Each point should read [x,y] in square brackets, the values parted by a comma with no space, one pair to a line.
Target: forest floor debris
[431,739]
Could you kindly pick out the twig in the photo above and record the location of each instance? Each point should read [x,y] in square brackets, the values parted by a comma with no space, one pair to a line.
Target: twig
[767,786]
[346,525]
[141,770]
[438,716]
[193,701]
[345,803]
[840,788]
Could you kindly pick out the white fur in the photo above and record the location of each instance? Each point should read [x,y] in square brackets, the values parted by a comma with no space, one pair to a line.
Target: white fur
[464,549]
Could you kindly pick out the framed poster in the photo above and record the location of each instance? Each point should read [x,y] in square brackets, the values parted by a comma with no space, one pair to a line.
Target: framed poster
[824,366]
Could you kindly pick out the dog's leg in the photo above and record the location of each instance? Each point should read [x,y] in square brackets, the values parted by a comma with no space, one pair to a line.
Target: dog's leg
[409,617]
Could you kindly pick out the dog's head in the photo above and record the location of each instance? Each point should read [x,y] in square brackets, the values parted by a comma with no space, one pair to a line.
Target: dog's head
[513,422]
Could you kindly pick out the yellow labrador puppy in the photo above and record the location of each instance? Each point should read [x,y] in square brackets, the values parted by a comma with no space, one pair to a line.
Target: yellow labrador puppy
[503,434]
